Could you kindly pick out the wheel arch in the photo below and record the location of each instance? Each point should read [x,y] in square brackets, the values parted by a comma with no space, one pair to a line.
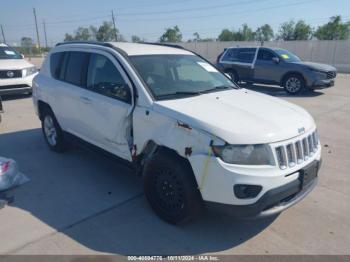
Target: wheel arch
[287,74]
[151,148]
[234,71]
[42,106]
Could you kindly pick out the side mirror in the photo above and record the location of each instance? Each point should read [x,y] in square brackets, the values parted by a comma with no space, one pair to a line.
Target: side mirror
[123,92]
[228,75]
[276,59]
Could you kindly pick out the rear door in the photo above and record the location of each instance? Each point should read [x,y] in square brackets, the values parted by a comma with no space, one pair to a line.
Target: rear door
[265,69]
[105,106]
[68,68]
[246,58]
[240,60]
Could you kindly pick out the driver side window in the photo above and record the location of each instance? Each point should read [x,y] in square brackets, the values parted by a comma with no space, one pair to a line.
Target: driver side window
[265,55]
[104,78]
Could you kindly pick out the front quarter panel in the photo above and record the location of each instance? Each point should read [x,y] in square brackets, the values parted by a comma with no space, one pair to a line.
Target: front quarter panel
[164,131]
[149,126]
[298,69]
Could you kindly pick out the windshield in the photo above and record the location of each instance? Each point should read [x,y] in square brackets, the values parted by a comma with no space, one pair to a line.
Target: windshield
[287,56]
[172,76]
[9,53]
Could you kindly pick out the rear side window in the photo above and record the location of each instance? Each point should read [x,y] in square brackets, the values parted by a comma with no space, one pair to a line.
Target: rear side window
[55,64]
[246,55]
[75,68]
[231,55]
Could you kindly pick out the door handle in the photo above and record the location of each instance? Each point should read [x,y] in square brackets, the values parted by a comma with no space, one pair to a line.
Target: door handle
[85,100]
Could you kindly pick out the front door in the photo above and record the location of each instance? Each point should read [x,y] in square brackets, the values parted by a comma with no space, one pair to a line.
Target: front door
[105,106]
[265,69]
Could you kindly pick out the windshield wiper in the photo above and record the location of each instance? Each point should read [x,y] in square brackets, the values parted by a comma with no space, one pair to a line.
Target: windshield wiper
[193,93]
[180,93]
[216,88]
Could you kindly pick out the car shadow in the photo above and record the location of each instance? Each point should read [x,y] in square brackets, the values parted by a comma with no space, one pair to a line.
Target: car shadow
[279,91]
[99,203]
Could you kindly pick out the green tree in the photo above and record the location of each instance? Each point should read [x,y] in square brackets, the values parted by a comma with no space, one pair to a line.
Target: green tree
[68,37]
[286,31]
[136,39]
[93,32]
[27,44]
[171,35]
[197,37]
[302,31]
[83,33]
[335,29]
[245,33]
[264,33]
[106,32]
[225,35]
[295,31]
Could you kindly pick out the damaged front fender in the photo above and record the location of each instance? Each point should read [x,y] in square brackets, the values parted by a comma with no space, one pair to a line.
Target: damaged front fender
[181,137]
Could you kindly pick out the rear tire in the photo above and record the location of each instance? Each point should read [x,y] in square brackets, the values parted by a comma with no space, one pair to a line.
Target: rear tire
[52,131]
[233,75]
[170,187]
[293,84]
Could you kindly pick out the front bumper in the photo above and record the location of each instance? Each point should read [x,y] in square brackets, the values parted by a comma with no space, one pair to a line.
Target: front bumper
[16,85]
[272,202]
[321,84]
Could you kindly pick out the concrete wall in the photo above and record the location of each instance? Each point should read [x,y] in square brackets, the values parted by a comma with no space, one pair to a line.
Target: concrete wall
[336,53]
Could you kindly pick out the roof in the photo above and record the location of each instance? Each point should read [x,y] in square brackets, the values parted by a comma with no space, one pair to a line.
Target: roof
[149,49]
[248,46]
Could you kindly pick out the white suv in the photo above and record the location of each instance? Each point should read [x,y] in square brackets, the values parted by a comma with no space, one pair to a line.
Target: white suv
[194,136]
[16,73]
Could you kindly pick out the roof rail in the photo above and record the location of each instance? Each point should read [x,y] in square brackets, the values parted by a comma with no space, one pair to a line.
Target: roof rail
[109,45]
[162,44]
[84,42]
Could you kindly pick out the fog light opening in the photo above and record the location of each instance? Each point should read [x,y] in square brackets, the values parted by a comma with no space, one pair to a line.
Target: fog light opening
[246,191]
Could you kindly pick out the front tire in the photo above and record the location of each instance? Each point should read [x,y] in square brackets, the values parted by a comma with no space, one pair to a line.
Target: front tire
[52,131]
[170,187]
[293,84]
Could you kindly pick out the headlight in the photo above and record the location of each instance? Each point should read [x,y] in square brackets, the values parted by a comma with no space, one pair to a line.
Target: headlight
[319,72]
[245,154]
[29,71]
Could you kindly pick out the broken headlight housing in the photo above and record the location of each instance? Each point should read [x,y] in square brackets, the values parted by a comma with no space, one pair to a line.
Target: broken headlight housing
[245,154]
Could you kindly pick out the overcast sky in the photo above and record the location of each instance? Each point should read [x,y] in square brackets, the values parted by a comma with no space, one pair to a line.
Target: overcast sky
[149,18]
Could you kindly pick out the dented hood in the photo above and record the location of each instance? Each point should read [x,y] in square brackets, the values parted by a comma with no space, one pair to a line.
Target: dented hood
[239,116]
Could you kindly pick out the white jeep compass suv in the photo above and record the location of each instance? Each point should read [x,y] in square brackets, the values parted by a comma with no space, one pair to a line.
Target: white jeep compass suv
[194,136]
[16,73]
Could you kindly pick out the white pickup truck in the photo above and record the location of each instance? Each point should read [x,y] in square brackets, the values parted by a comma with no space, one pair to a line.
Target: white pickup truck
[195,137]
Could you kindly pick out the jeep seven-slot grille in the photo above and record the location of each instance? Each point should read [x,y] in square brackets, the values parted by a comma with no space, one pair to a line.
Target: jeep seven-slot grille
[298,151]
